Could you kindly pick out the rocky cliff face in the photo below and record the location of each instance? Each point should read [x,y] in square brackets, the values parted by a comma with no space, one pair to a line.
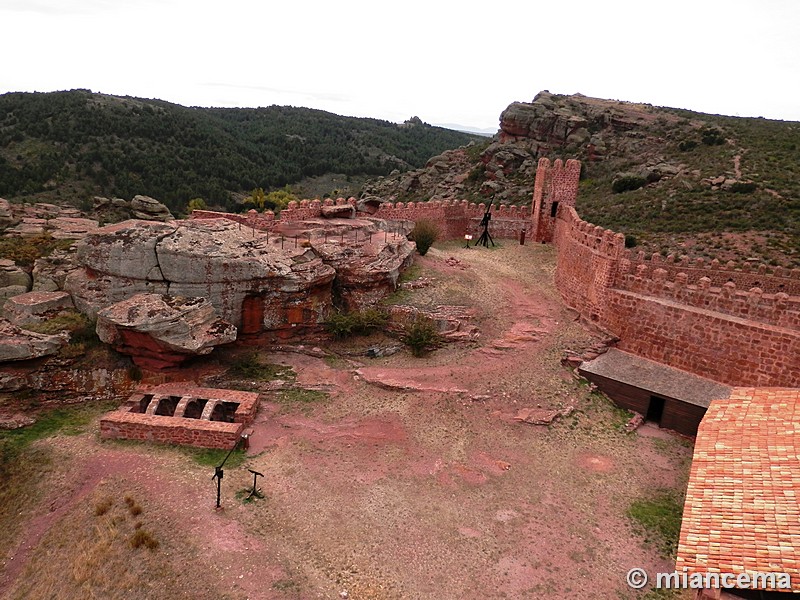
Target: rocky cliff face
[503,168]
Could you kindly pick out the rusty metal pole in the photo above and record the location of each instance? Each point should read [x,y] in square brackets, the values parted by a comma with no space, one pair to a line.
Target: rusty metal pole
[522,237]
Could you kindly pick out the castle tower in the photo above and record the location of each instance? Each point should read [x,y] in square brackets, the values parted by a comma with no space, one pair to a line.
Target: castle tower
[555,186]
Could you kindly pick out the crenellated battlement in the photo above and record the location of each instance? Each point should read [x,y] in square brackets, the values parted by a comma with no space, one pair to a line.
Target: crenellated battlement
[744,275]
[697,290]
[595,238]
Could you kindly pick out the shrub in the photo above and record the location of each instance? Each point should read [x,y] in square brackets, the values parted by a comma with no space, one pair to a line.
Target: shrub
[659,519]
[135,373]
[341,325]
[420,335]
[249,366]
[711,136]
[630,241]
[103,506]
[743,187]
[141,537]
[24,251]
[425,233]
[687,145]
[477,173]
[627,182]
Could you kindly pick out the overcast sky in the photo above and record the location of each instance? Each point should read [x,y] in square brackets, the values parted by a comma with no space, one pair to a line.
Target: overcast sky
[446,62]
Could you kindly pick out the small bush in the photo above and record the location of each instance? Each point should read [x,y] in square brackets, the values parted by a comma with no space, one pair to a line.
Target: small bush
[135,373]
[743,187]
[103,506]
[687,145]
[630,241]
[425,233]
[420,335]
[477,173]
[135,509]
[24,251]
[250,367]
[627,182]
[141,538]
[711,136]
[341,325]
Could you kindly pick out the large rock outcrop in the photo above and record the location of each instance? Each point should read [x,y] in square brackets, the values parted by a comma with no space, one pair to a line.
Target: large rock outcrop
[160,332]
[281,281]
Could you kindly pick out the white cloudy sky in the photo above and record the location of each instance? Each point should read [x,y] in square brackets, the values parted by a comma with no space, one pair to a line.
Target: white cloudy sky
[445,61]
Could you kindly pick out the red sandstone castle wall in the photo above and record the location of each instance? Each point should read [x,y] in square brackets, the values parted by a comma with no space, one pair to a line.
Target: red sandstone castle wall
[588,257]
[725,348]
[454,219]
[736,324]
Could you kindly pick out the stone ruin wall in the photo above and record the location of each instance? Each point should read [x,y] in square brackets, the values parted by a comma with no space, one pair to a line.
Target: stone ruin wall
[455,219]
[176,426]
[738,324]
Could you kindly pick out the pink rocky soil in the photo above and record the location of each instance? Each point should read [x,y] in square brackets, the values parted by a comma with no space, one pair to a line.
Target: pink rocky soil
[429,490]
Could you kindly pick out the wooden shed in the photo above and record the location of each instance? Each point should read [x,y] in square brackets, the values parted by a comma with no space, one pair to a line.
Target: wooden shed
[672,398]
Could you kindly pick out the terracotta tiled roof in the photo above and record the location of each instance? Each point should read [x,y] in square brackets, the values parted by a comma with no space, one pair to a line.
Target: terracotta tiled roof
[742,510]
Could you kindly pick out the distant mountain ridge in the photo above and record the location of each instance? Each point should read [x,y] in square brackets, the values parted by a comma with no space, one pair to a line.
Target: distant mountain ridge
[64,145]
[674,181]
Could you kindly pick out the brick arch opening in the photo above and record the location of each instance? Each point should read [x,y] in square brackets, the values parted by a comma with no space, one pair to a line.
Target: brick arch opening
[224,412]
[167,406]
[194,409]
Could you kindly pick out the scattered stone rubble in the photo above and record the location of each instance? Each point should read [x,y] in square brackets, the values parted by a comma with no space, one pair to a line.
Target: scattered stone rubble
[542,416]
[452,322]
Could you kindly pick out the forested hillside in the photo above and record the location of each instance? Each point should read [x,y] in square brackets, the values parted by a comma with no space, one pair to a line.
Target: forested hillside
[68,146]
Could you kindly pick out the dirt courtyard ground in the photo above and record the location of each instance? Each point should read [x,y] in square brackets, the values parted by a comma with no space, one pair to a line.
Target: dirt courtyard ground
[408,479]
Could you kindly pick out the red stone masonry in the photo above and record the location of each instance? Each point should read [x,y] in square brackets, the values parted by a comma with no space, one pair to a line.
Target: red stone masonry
[128,422]
[737,324]
[454,218]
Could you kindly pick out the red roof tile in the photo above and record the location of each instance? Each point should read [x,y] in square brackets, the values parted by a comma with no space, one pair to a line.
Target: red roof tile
[742,510]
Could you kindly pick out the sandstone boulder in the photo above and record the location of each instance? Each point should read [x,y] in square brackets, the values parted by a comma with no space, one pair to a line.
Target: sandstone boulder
[50,272]
[19,344]
[35,307]
[13,280]
[160,331]
[149,209]
[343,211]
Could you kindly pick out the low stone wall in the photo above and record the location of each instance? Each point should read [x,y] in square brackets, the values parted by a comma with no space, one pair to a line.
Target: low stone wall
[454,219]
[170,430]
[142,418]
